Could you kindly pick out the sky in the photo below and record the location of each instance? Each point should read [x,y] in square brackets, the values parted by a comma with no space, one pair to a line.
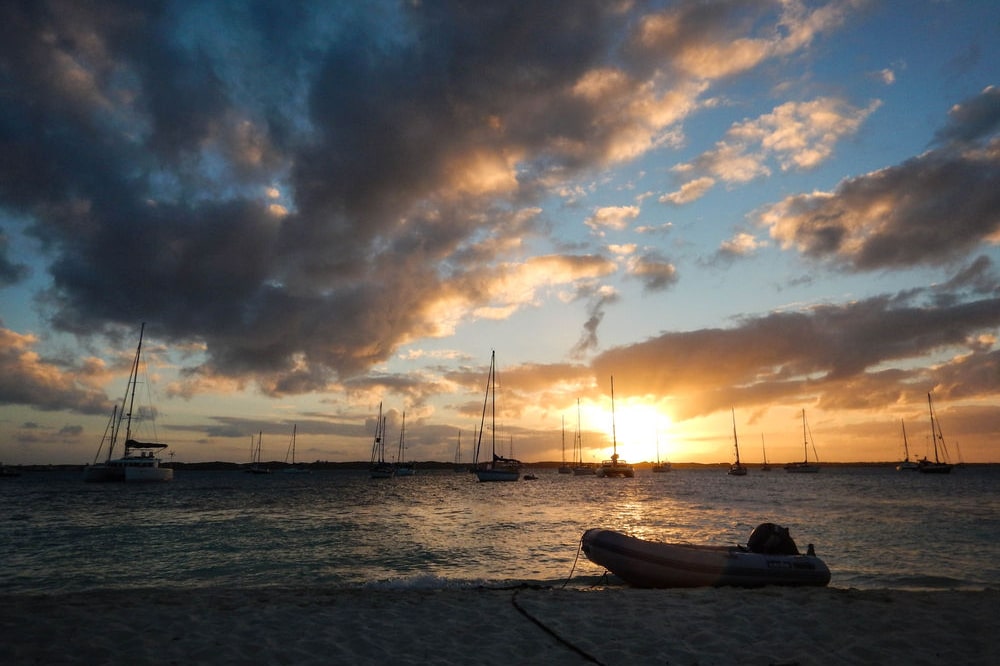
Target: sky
[737,212]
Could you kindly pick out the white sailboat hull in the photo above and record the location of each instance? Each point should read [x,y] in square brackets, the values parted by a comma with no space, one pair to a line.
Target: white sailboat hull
[132,469]
[148,474]
[101,473]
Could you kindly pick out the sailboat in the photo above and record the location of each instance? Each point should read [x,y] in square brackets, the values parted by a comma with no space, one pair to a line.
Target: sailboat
[379,468]
[580,468]
[614,466]
[291,448]
[737,468]
[138,461]
[403,468]
[660,467]
[907,464]
[765,467]
[804,467]
[256,467]
[938,466]
[497,468]
[564,468]
[458,466]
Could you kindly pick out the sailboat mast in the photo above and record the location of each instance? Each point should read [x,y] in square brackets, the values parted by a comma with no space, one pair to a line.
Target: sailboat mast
[805,439]
[906,447]
[482,422]
[493,403]
[401,450]
[930,410]
[614,438]
[736,441]
[579,435]
[133,379]
[564,440]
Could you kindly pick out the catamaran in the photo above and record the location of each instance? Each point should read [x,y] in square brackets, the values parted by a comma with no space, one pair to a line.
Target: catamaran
[139,461]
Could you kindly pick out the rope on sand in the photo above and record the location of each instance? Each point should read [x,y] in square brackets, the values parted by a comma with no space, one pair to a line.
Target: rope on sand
[541,625]
[551,632]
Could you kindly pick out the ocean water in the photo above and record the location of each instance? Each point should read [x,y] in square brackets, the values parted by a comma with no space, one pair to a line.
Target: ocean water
[875,527]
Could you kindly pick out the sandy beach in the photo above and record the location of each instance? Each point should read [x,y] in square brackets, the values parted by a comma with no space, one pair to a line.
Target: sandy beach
[617,626]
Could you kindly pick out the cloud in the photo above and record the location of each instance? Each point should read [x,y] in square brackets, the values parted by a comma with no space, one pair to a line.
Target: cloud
[689,191]
[709,41]
[798,135]
[656,273]
[930,210]
[739,246]
[973,119]
[11,272]
[27,379]
[855,355]
[615,218]
[303,188]
[599,300]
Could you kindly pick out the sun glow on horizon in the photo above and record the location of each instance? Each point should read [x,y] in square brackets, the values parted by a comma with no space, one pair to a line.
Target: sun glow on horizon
[636,426]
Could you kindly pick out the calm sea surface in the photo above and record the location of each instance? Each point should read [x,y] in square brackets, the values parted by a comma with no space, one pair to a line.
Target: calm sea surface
[875,527]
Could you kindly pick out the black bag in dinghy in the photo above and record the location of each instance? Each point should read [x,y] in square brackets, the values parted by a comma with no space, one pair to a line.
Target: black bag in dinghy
[769,558]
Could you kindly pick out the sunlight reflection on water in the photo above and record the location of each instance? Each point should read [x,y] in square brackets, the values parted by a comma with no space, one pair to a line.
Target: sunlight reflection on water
[874,527]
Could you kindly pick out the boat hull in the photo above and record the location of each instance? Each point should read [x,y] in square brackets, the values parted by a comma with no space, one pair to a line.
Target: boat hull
[619,470]
[934,468]
[148,474]
[650,564]
[130,470]
[497,475]
[101,473]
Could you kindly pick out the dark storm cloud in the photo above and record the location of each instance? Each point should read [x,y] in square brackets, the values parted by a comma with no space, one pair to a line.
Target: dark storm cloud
[291,185]
[10,271]
[302,186]
[932,209]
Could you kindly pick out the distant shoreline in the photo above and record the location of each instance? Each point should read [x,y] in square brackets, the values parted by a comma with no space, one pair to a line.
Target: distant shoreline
[220,466]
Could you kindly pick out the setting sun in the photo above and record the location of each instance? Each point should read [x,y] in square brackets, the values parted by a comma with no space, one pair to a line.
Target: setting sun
[637,425]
